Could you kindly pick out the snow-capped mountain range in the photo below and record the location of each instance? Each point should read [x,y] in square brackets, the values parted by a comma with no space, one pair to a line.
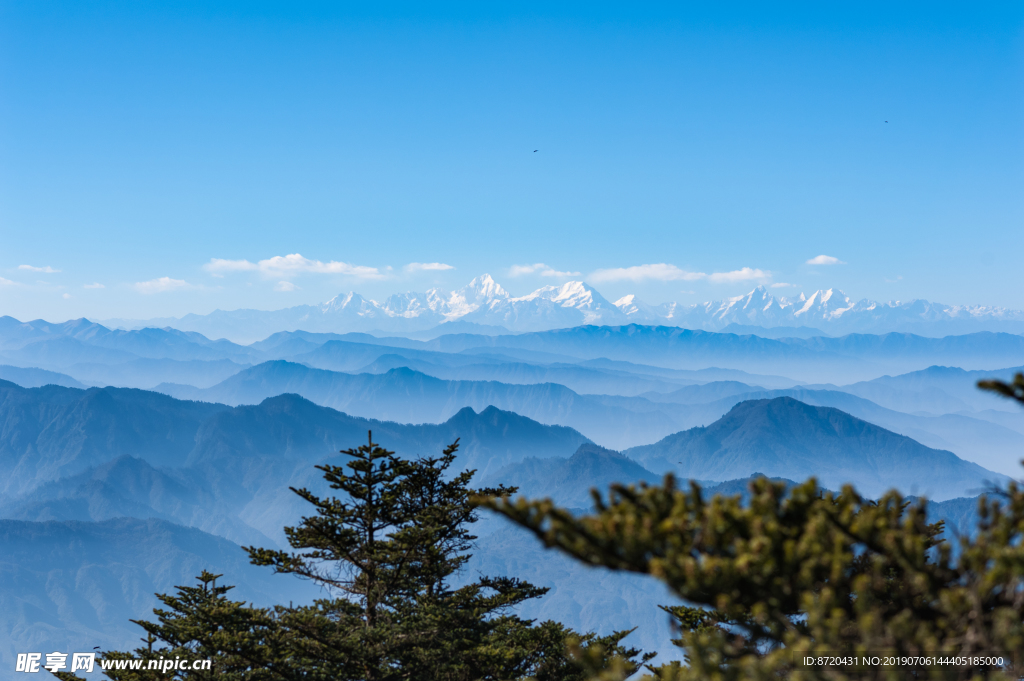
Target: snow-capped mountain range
[484,305]
[482,301]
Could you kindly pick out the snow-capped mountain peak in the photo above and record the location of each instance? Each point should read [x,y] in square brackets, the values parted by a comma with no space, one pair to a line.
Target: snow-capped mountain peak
[575,294]
[824,305]
[407,305]
[483,288]
[573,303]
[639,312]
[807,303]
[350,303]
[580,296]
[481,293]
[757,307]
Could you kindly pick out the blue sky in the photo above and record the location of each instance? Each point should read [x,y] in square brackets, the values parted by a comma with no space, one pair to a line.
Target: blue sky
[139,141]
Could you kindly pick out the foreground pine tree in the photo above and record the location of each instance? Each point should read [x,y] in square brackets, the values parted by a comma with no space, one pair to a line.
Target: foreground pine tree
[386,547]
[805,573]
[390,542]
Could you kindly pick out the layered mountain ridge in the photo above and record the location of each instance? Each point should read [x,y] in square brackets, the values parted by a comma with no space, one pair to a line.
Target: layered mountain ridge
[89,473]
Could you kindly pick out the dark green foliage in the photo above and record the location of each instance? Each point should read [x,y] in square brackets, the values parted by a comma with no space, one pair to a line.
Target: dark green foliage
[797,572]
[385,549]
[199,623]
[806,572]
[390,545]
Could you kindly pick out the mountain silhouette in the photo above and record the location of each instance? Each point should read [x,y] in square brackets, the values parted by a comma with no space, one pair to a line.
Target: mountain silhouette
[408,396]
[54,431]
[100,453]
[786,438]
[570,480]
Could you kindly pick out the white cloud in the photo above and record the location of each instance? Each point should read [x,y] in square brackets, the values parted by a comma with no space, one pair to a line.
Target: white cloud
[8,282]
[67,296]
[666,272]
[539,269]
[160,285]
[218,266]
[44,270]
[95,285]
[295,264]
[427,267]
[744,274]
[658,272]
[289,266]
[520,270]
[781,284]
[824,260]
[285,286]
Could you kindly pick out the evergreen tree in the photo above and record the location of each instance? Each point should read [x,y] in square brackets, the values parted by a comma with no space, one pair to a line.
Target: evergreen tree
[391,545]
[804,572]
[387,547]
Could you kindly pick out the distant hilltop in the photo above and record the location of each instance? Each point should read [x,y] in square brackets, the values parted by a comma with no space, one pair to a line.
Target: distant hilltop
[483,306]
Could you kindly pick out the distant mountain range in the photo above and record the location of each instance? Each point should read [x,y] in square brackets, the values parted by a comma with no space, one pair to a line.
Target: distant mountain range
[483,306]
[799,358]
[613,357]
[619,421]
[786,438]
[991,438]
[409,396]
[104,452]
[543,410]
[620,386]
[71,585]
[111,494]
[100,453]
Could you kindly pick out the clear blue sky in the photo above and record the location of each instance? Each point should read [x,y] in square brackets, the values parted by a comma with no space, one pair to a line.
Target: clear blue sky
[140,140]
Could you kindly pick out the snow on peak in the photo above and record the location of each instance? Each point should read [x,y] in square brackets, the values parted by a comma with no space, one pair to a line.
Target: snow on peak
[573,303]
[640,312]
[624,301]
[482,292]
[807,305]
[484,287]
[407,305]
[437,300]
[828,304]
[347,302]
[574,293]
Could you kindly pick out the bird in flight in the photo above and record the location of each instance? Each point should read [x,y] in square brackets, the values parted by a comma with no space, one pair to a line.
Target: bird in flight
[536,150]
